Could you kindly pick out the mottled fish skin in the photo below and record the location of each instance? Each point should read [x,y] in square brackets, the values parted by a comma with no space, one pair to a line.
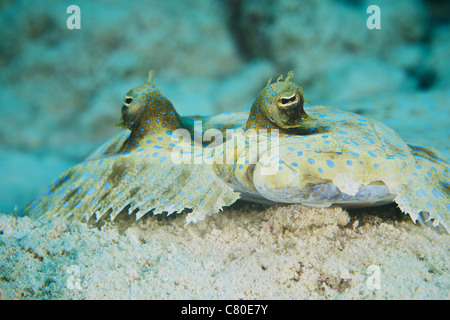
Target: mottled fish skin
[134,171]
[325,156]
[328,156]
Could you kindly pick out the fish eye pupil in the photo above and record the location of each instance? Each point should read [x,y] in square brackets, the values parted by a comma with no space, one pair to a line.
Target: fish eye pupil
[288,100]
[128,100]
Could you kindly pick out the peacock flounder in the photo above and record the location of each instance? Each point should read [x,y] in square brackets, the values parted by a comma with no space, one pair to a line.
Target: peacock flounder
[134,173]
[322,156]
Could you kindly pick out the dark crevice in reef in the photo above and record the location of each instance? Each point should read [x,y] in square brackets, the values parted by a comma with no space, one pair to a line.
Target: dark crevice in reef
[426,79]
[375,215]
[439,11]
[247,24]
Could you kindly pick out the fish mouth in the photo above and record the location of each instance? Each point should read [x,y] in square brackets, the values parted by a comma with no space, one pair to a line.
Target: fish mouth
[285,103]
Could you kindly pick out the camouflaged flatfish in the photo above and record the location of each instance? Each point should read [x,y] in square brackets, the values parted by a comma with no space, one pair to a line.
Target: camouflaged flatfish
[326,156]
[134,172]
[280,152]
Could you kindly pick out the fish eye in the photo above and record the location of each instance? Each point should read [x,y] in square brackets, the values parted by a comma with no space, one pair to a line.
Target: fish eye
[287,102]
[127,101]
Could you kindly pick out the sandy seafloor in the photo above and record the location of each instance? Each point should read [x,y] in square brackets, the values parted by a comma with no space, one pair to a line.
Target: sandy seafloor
[60,96]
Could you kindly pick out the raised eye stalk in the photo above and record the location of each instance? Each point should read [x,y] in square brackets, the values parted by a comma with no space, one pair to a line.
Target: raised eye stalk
[279,106]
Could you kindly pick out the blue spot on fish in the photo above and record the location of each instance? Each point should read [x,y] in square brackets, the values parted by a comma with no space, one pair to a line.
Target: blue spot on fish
[330,163]
[421,193]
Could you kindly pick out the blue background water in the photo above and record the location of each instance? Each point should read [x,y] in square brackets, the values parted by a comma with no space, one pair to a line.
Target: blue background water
[61,90]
